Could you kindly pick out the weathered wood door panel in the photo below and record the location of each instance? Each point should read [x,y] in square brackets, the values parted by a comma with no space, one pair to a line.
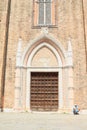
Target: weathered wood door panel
[44,91]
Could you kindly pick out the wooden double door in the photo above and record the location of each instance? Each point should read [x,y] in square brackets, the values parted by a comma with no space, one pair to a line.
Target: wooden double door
[44,91]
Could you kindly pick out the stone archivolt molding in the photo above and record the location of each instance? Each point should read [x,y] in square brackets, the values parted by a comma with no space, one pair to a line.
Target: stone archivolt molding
[64,59]
[47,39]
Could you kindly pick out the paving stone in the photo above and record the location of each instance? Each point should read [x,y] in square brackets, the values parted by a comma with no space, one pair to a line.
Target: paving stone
[42,121]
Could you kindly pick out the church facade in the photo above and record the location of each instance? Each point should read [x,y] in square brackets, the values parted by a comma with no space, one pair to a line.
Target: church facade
[43,55]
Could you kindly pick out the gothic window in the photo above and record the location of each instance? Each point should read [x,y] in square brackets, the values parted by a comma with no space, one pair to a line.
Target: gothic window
[44,13]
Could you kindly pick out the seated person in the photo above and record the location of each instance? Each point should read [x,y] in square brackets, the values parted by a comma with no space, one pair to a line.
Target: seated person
[75,110]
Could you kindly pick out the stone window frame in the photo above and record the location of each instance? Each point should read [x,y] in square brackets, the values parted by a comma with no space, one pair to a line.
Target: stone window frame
[54,16]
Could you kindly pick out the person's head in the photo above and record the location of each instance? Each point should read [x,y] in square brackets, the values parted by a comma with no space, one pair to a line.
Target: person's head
[75,105]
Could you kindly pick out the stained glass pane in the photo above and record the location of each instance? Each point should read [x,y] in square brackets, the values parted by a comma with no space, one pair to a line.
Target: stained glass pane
[41,0]
[48,13]
[41,13]
[47,0]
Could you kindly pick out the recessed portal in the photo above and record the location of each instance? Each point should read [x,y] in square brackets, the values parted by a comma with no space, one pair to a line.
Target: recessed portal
[44,91]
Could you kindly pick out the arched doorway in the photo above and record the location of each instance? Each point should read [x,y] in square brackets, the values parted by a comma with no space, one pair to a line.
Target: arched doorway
[42,77]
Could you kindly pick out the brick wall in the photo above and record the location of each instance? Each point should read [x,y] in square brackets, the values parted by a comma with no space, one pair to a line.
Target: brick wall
[3,13]
[70,24]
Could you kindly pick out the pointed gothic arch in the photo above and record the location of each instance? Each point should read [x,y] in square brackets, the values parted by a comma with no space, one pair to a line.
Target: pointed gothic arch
[40,43]
[44,44]
[44,38]
[23,71]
